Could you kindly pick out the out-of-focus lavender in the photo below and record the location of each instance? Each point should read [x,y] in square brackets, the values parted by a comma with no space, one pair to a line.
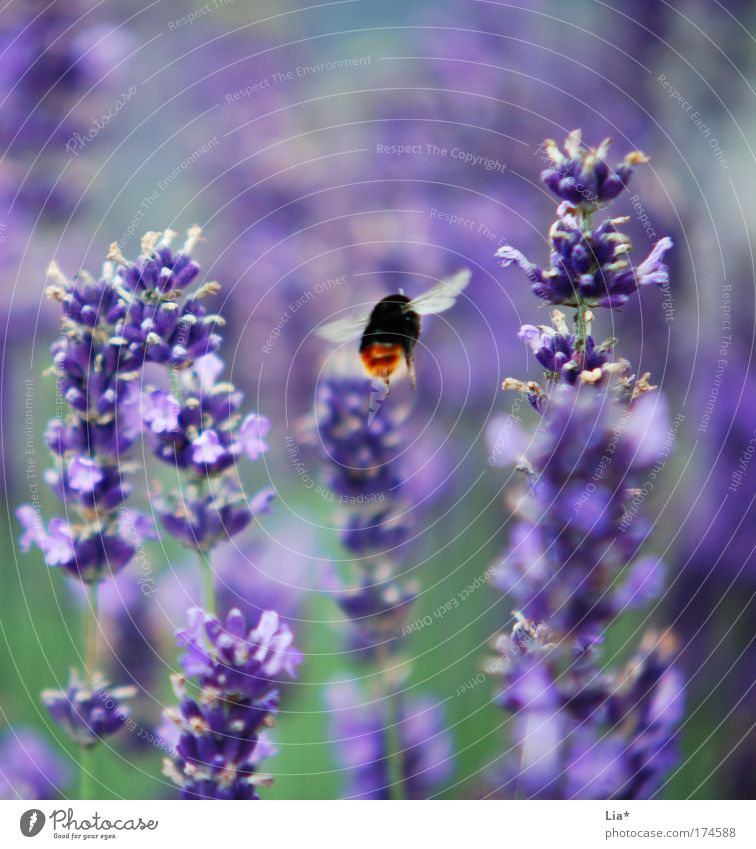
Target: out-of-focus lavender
[89,711]
[397,745]
[29,768]
[361,743]
[574,566]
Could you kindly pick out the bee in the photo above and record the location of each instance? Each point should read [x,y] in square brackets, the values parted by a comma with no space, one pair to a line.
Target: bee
[389,332]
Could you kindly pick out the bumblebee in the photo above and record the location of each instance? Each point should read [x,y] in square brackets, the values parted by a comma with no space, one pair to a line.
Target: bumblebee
[389,332]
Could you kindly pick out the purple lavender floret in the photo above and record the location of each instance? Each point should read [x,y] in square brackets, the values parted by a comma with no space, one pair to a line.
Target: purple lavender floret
[202,521]
[30,768]
[238,672]
[648,706]
[89,550]
[360,447]
[205,435]
[582,176]
[559,355]
[234,659]
[589,267]
[170,325]
[88,713]
[565,358]
[201,433]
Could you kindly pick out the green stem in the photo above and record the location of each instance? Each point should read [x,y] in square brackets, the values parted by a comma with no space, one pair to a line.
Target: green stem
[208,583]
[393,741]
[91,628]
[90,633]
[86,774]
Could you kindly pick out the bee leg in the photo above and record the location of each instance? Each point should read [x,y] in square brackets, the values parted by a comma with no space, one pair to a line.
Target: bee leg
[411,370]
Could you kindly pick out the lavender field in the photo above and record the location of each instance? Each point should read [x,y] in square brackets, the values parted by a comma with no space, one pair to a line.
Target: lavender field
[238,564]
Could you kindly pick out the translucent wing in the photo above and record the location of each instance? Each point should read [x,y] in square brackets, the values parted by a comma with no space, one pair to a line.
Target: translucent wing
[344,329]
[442,296]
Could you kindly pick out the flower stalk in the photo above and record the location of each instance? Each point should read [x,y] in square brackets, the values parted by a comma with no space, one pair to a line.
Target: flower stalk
[574,564]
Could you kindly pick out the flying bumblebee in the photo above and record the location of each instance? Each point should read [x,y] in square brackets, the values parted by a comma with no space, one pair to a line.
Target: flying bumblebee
[389,332]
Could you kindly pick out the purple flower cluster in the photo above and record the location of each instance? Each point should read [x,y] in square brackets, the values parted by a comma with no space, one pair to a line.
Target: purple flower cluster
[574,562]
[582,176]
[171,327]
[359,444]
[573,558]
[199,430]
[584,734]
[565,358]
[237,672]
[589,266]
[89,712]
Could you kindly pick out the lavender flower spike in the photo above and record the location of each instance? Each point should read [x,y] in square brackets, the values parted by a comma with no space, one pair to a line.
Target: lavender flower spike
[385,748]
[238,672]
[573,564]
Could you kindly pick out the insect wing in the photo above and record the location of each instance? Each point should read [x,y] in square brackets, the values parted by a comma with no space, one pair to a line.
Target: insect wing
[343,329]
[442,296]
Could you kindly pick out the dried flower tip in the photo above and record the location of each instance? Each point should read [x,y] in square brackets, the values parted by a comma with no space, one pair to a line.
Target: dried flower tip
[55,293]
[168,236]
[636,157]
[620,367]
[592,376]
[54,273]
[573,142]
[666,643]
[149,242]
[206,289]
[559,321]
[171,771]
[515,385]
[642,385]
[523,624]
[114,254]
[525,466]
[193,235]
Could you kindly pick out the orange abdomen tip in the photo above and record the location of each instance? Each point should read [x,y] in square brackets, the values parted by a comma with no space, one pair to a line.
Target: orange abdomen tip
[381,360]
